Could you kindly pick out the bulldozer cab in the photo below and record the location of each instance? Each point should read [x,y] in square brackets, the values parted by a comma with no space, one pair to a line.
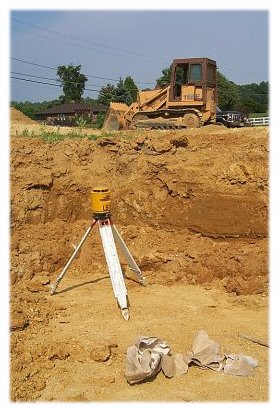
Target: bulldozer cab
[191,79]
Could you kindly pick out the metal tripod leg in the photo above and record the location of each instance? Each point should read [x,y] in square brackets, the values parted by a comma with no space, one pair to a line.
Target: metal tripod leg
[115,271]
[60,277]
[130,260]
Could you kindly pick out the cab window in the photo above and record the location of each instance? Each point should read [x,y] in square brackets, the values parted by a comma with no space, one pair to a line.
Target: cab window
[195,73]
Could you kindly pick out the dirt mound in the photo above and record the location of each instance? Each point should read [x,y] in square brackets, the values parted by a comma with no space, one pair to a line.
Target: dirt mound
[178,194]
[19,117]
[192,206]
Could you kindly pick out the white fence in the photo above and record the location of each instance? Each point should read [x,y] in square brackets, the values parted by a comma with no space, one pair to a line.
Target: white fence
[259,121]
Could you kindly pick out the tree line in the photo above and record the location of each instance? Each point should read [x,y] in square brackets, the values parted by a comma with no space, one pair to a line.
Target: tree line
[250,98]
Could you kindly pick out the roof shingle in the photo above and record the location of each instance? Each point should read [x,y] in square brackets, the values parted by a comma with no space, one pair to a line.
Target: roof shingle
[70,108]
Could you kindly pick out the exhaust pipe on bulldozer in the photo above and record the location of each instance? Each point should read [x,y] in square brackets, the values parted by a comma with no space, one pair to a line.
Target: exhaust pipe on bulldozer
[115,119]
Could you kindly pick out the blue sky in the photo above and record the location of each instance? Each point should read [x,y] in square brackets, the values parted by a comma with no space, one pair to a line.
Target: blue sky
[114,44]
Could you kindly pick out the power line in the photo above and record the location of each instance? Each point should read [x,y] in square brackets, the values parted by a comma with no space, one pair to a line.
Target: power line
[87,75]
[94,90]
[33,64]
[136,54]
[32,75]
[50,84]
[34,81]
[57,80]
[44,86]
[51,78]
[236,69]
[247,92]
[43,36]
[242,92]
[57,33]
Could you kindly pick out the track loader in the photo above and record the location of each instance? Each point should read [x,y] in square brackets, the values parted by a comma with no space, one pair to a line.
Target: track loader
[189,101]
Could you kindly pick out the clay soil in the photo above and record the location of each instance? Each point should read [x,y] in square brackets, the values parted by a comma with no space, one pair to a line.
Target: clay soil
[192,206]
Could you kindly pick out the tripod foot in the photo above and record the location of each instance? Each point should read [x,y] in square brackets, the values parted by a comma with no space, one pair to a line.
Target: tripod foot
[125,313]
[143,281]
[52,289]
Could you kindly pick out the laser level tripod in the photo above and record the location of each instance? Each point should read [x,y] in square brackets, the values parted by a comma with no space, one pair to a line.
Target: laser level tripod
[101,208]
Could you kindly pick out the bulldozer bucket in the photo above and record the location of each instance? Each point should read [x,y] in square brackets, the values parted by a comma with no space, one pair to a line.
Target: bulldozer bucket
[115,119]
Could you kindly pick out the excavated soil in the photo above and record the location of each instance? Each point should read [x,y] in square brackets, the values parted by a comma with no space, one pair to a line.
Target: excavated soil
[192,206]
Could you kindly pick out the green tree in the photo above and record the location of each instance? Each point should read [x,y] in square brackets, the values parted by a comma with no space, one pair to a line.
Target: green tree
[122,94]
[254,97]
[88,100]
[165,78]
[72,81]
[107,94]
[125,91]
[228,96]
[130,85]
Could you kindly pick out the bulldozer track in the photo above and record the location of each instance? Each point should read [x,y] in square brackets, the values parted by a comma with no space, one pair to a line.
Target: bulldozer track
[156,126]
[147,120]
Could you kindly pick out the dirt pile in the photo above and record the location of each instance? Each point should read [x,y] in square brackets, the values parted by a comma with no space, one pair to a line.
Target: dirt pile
[16,116]
[199,215]
[193,208]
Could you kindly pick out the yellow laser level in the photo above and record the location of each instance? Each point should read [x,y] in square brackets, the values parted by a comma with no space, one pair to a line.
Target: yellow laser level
[100,202]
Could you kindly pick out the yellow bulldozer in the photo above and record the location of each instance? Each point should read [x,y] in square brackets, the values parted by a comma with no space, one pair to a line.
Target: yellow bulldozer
[189,101]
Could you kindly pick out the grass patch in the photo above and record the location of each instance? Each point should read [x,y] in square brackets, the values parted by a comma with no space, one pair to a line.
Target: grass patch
[258,115]
[50,136]
[26,133]
[55,135]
